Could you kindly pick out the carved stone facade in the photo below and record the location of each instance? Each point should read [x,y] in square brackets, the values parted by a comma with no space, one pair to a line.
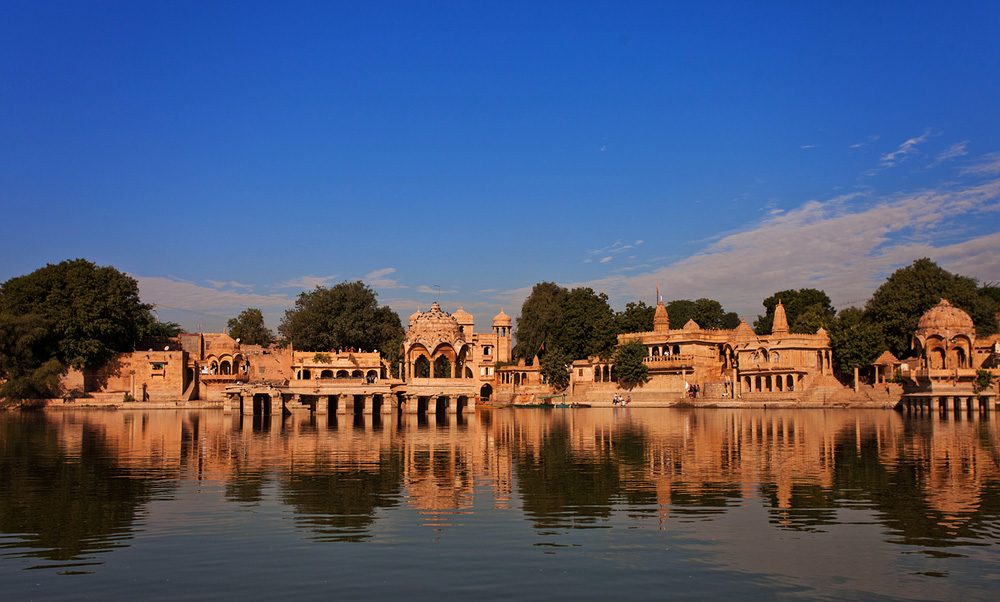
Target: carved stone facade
[948,355]
[438,345]
[736,363]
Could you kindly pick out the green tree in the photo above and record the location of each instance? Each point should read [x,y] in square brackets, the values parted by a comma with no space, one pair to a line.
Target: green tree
[854,341]
[896,306]
[93,312]
[25,362]
[991,291]
[983,381]
[629,365]
[541,316]
[588,324]
[163,330]
[706,313]
[345,315]
[681,311]
[796,303]
[636,317]
[811,320]
[556,365]
[249,328]
[72,313]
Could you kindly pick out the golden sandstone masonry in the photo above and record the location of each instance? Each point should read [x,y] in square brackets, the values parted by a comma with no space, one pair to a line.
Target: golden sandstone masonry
[446,366]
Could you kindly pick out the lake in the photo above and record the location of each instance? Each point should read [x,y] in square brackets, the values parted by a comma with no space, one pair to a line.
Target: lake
[536,504]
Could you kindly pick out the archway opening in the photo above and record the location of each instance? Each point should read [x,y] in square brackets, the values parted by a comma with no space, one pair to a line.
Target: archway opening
[442,367]
[422,367]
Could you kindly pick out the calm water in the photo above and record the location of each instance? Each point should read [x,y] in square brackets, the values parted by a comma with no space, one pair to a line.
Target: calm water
[532,503]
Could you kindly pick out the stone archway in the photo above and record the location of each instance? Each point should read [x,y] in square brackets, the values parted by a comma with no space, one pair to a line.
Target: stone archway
[422,367]
[442,367]
[485,392]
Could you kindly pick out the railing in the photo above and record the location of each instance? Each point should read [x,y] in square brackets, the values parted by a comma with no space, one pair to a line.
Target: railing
[676,359]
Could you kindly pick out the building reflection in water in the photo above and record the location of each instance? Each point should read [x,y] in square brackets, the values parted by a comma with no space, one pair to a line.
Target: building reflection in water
[929,481]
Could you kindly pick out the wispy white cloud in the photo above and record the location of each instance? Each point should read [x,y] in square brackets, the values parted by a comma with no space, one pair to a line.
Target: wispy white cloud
[988,165]
[870,139]
[378,279]
[952,152]
[308,282]
[230,284]
[808,146]
[609,251]
[423,288]
[846,246]
[177,294]
[905,149]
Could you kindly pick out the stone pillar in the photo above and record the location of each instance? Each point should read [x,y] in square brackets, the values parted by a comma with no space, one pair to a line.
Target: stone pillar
[452,404]
[341,404]
[368,404]
[277,405]
[855,378]
[322,405]
[388,403]
[247,404]
[947,403]
[410,406]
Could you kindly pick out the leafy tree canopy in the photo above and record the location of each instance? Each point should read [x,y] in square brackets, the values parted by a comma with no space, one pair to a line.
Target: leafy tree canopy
[897,305]
[588,324]
[707,313]
[91,312]
[541,316]
[637,317]
[249,328]
[629,365]
[579,322]
[345,315]
[796,303]
[163,330]
[854,341]
[556,365]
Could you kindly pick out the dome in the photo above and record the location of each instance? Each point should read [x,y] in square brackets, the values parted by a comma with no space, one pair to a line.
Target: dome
[501,319]
[945,318]
[414,316]
[463,317]
[436,325]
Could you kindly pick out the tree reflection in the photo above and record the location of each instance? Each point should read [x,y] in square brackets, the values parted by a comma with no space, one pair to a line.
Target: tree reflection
[339,502]
[563,486]
[63,507]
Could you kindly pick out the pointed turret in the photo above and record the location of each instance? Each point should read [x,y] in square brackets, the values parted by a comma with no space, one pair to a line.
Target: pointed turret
[661,320]
[743,332]
[780,325]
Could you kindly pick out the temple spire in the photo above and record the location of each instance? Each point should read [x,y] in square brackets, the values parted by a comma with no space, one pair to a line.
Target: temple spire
[780,324]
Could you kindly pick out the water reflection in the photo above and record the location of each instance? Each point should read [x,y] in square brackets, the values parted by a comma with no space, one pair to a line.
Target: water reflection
[64,496]
[73,484]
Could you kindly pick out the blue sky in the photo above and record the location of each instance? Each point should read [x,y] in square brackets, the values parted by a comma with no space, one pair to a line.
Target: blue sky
[232,155]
